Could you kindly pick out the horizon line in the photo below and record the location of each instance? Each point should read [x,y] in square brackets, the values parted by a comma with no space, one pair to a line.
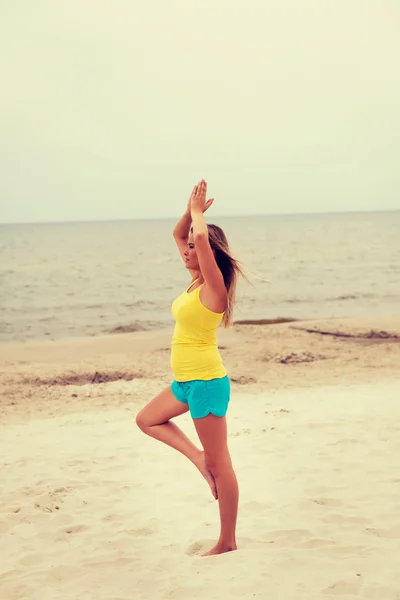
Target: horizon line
[127,219]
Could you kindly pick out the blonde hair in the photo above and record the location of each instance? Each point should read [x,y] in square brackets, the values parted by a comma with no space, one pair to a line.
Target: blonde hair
[229,267]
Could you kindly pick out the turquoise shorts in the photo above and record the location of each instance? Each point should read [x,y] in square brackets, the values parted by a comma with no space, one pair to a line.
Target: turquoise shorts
[204,397]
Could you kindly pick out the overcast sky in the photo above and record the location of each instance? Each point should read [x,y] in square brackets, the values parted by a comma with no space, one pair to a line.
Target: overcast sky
[114,108]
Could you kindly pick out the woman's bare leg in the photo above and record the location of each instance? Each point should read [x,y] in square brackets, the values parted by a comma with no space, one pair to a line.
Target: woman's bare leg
[212,432]
[154,420]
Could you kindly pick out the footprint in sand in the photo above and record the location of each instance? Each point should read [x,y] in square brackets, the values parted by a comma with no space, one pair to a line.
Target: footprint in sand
[341,552]
[13,574]
[109,564]
[343,520]
[340,588]
[391,534]
[242,432]
[315,543]
[29,560]
[377,591]
[141,532]
[287,537]
[345,441]
[112,517]
[327,501]
[51,500]
[198,548]
[75,529]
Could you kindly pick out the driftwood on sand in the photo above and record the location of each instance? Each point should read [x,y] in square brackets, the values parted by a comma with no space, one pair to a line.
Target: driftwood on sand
[265,321]
[371,335]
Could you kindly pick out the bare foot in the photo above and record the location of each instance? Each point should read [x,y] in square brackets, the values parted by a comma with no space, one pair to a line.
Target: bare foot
[220,549]
[208,476]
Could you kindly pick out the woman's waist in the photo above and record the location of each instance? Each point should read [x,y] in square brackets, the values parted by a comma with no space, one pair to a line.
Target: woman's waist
[196,362]
[195,338]
[187,343]
[199,352]
[190,349]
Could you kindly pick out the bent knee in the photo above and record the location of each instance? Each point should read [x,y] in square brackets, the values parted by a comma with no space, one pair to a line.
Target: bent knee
[141,421]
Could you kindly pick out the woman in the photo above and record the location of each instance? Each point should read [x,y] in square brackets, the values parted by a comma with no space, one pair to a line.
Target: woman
[201,384]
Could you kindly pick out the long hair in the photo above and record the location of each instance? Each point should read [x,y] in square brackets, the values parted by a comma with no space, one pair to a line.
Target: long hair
[229,267]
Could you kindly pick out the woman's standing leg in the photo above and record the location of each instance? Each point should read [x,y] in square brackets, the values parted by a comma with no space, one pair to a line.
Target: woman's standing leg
[212,432]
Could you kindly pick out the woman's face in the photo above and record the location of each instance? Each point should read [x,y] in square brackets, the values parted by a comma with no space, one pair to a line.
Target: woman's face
[190,255]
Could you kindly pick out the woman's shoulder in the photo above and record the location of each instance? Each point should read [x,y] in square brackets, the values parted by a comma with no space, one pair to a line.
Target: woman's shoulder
[214,300]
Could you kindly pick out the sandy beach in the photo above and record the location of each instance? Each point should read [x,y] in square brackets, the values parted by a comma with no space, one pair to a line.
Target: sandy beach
[93,509]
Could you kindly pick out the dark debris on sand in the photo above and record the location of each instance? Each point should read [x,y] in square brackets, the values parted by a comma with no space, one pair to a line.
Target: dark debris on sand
[83,378]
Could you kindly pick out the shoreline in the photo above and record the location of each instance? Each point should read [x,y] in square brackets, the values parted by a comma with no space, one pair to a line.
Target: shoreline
[390,320]
[152,327]
[258,358]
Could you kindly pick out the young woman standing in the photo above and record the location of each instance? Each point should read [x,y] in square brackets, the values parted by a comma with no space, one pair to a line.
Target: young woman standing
[201,382]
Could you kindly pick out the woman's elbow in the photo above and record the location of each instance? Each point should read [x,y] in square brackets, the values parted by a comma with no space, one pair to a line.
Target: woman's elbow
[200,237]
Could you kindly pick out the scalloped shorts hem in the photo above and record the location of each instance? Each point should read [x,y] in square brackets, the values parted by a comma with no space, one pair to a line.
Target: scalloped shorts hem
[204,397]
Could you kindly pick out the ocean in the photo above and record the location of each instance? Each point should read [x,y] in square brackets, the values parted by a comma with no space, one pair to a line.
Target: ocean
[60,280]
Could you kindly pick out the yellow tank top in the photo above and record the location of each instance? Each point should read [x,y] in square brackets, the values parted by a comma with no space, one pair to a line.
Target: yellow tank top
[194,349]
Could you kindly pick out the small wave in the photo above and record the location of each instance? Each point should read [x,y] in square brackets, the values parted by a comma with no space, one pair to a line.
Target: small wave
[299,301]
[341,298]
[349,297]
[139,304]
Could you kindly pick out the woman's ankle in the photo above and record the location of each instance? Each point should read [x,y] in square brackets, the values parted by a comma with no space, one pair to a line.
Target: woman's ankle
[227,543]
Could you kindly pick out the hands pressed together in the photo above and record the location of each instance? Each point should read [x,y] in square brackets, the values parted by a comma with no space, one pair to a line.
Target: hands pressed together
[197,201]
